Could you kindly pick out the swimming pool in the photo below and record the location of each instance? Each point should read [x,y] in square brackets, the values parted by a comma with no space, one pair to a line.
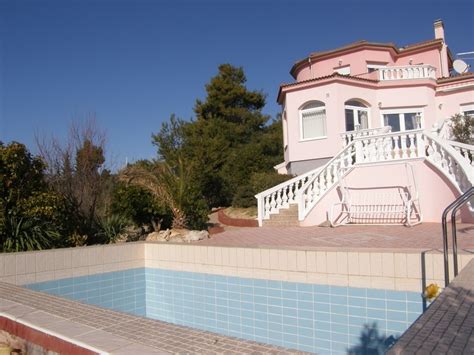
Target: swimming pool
[309,317]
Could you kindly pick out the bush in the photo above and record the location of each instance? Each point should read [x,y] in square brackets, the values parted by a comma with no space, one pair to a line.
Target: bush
[463,128]
[26,234]
[111,228]
[245,195]
[139,206]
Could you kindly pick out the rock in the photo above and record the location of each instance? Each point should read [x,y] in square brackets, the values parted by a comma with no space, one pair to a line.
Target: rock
[193,236]
[177,236]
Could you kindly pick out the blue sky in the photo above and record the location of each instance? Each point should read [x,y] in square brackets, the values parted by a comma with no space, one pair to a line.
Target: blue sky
[134,63]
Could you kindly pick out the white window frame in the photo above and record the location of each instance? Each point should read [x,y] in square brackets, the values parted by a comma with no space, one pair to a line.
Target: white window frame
[401,116]
[343,69]
[465,108]
[311,110]
[375,66]
[354,109]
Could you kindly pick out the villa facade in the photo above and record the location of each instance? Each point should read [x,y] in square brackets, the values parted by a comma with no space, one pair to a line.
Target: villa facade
[368,117]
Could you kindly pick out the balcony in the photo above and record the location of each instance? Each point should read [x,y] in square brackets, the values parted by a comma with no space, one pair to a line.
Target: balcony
[409,72]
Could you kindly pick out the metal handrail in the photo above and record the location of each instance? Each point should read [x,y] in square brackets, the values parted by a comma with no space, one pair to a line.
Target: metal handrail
[454,206]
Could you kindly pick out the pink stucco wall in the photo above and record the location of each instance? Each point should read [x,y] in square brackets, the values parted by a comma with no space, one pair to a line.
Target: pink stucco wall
[418,95]
[435,190]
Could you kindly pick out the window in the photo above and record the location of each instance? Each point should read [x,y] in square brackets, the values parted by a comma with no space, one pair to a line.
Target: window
[403,120]
[313,121]
[357,115]
[468,110]
[373,67]
[343,70]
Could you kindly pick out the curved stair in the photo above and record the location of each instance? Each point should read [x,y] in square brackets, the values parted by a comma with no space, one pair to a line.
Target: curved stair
[302,193]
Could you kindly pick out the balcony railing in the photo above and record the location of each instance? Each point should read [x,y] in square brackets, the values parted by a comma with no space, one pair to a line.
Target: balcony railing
[408,72]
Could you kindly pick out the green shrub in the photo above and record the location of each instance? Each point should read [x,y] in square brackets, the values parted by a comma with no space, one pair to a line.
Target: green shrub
[463,128]
[138,205]
[111,228]
[26,234]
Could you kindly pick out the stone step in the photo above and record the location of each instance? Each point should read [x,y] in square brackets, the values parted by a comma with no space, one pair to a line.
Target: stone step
[274,223]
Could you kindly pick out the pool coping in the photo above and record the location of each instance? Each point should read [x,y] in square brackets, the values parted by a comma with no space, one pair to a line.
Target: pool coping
[103,331]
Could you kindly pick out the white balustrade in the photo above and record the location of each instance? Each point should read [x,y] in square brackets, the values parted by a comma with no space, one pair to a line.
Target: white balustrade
[466,151]
[319,184]
[281,196]
[453,159]
[349,136]
[455,166]
[408,72]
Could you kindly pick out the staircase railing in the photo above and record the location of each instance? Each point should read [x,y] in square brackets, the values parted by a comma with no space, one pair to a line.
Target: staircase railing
[466,150]
[367,149]
[308,189]
[453,207]
[349,136]
[319,184]
[453,165]
[394,146]
[281,195]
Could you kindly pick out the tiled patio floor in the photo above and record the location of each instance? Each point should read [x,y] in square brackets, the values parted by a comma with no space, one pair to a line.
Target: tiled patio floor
[447,327]
[425,236]
[118,333]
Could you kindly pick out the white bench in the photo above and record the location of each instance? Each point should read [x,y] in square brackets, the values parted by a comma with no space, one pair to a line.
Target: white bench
[378,205]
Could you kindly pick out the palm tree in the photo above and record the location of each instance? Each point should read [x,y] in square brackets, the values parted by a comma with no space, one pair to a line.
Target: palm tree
[164,183]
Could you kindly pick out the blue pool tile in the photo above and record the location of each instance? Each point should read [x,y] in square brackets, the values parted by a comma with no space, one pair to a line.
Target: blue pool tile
[357,292]
[376,293]
[339,318]
[305,305]
[397,306]
[414,307]
[289,286]
[288,329]
[290,312]
[357,321]
[314,318]
[305,323]
[322,325]
[414,297]
[289,303]
[396,295]
[321,289]
[342,300]
[397,316]
[305,332]
[292,295]
[355,301]
[290,321]
[260,299]
[339,309]
[376,314]
[322,316]
[308,288]
[322,307]
[338,290]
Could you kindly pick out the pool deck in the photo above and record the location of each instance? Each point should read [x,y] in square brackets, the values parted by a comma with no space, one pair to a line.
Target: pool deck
[447,327]
[99,330]
[426,236]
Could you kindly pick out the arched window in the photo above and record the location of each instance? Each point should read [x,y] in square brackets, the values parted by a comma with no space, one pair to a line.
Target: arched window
[357,115]
[313,120]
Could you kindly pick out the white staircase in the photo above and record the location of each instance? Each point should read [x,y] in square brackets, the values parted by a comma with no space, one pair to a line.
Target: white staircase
[454,160]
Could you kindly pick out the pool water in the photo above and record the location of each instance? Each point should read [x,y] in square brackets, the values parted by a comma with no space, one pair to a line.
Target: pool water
[308,317]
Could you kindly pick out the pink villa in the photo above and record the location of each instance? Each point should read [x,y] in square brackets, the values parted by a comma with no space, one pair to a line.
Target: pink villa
[366,130]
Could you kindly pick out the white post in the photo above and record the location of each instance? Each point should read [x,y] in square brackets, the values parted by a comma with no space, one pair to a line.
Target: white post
[260,209]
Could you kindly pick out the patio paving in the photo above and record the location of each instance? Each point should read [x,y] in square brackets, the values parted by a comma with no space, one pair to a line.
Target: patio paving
[447,327]
[426,236]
